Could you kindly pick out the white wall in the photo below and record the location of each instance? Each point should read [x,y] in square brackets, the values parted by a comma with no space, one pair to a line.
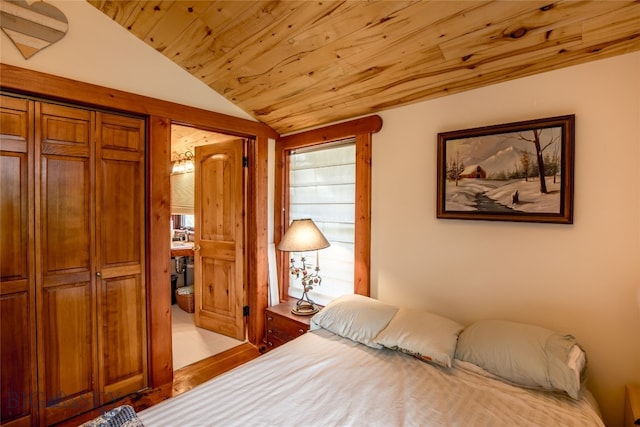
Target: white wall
[581,278]
[99,51]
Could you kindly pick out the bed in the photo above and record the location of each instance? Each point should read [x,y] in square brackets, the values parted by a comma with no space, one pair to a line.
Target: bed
[340,374]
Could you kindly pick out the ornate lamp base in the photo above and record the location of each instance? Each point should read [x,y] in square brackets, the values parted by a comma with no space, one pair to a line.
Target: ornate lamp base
[304,306]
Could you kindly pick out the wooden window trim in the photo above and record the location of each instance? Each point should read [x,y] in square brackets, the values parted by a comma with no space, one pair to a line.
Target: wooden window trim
[361,130]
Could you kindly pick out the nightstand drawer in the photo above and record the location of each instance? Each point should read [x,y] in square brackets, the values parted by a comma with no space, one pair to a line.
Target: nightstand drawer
[273,342]
[283,326]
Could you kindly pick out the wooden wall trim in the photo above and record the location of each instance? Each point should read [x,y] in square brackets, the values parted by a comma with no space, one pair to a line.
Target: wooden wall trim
[161,114]
[281,214]
[362,247]
[258,269]
[369,124]
[54,87]
[160,355]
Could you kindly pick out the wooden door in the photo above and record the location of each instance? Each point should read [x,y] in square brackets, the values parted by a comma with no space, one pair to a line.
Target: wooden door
[18,405]
[219,233]
[121,303]
[65,297]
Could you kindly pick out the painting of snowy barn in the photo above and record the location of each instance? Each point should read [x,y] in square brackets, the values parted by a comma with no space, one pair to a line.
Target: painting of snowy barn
[519,171]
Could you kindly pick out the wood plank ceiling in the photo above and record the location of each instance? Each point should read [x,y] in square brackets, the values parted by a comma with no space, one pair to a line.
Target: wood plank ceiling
[185,139]
[300,64]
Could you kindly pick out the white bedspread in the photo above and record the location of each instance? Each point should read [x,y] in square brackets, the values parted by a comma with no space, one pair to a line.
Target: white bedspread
[321,379]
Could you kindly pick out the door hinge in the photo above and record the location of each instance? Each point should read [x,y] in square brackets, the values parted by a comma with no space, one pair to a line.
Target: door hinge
[245,311]
[245,162]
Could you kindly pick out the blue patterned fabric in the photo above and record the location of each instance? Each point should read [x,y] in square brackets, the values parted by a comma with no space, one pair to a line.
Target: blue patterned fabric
[122,416]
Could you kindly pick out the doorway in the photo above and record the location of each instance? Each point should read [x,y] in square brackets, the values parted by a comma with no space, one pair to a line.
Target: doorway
[207,200]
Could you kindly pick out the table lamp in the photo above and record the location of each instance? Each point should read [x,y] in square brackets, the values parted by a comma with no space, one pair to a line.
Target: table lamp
[303,235]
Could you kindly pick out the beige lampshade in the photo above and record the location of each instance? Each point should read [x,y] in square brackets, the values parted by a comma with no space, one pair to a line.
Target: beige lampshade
[303,235]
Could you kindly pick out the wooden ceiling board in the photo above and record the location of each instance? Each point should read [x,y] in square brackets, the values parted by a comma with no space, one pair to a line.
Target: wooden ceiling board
[300,64]
[336,57]
[349,43]
[245,62]
[337,72]
[190,53]
[179,17]
[145,16]
[362,46]
[118,11]
[186,138]
[196,44]
[615,25]
[196,35]
[387,57]
[229,35]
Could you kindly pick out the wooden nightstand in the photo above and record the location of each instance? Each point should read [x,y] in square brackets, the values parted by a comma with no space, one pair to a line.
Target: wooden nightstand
[632,406]
[282,325]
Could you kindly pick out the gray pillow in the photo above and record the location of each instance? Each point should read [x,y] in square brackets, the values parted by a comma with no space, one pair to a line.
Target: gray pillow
[523,354]
[356,317]
[424,335]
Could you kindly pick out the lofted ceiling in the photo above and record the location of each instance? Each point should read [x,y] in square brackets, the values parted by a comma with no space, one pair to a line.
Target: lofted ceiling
[300,64]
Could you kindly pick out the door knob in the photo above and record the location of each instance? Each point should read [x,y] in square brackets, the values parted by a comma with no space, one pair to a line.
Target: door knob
[196,248]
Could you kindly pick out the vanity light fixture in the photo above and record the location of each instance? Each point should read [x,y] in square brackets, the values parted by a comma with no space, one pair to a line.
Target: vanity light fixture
[184,163]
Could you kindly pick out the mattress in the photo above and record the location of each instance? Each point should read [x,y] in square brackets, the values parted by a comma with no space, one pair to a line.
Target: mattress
[322,379]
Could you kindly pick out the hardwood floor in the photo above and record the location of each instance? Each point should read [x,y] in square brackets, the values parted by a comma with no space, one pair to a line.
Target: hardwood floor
[183,380]
[190,376]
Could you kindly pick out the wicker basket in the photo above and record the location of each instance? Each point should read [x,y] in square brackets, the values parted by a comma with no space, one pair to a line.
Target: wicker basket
[184,297]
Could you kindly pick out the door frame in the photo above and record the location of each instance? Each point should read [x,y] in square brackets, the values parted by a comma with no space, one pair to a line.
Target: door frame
[160,115]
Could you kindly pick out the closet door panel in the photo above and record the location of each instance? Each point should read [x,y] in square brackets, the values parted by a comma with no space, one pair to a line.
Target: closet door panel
[16,141]
[67,346]
[67,342]
[122,134]
[13,216]
[18,387]
[18,393]
[124,354]
[120,254]
[121,234]
[65,130]
[65,202]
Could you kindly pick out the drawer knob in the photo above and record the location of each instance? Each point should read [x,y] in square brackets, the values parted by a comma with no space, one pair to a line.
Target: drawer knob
[270,331]
[301,331]
[270,344]
[269,318]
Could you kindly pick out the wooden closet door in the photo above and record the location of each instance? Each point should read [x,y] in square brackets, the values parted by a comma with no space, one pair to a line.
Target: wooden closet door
[18,402]
[65,286]
[120,255]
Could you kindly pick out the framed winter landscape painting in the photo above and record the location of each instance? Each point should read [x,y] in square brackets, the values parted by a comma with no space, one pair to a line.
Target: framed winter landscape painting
[520,171]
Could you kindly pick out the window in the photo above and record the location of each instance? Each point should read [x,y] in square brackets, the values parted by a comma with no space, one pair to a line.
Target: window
[324,149]
[182,199]
[183,221]
[322,187]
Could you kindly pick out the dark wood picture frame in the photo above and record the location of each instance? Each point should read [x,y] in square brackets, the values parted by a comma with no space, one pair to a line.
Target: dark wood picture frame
[492,173]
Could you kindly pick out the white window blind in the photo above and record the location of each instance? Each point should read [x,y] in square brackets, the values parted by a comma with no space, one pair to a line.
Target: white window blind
[182,189]
[322,187]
